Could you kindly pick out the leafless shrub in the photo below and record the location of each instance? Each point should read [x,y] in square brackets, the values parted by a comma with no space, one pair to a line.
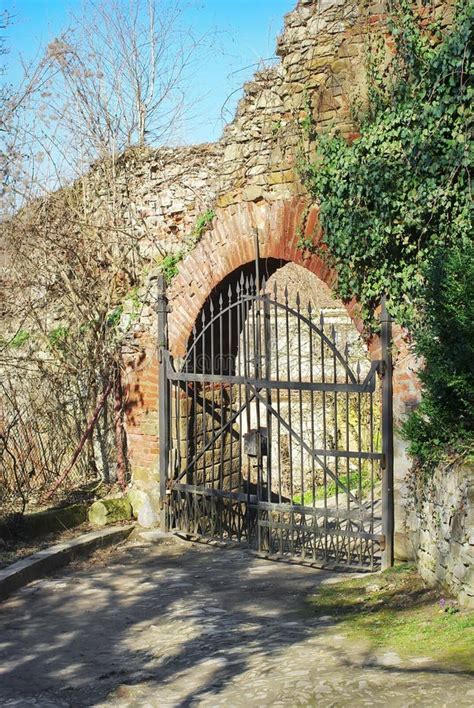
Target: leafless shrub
[70,258]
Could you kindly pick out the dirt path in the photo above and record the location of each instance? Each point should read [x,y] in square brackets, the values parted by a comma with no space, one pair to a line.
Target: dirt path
[176,624]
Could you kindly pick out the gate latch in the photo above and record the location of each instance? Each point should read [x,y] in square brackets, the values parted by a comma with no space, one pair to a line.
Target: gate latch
[256,442]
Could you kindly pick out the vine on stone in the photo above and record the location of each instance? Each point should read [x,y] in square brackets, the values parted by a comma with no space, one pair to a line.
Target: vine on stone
[396,208]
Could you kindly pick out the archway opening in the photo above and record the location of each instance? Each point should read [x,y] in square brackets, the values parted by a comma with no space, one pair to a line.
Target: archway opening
[276,421]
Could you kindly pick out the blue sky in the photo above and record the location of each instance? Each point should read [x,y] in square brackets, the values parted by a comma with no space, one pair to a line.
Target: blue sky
[247,33]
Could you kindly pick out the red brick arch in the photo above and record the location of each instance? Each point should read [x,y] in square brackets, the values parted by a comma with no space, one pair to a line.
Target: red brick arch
[224,249]
[231,244]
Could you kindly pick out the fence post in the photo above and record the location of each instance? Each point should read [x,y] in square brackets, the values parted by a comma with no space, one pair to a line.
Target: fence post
[163,399]
[387,436]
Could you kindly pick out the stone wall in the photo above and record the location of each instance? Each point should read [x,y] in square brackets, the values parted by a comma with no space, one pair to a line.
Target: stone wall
[441,530]
[250,178]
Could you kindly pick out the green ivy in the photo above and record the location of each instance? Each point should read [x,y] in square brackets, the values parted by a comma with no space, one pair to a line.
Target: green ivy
[202,224]
[114,318]
[58,336]
[169,265]
[402,189]
[444,336]
[396,213]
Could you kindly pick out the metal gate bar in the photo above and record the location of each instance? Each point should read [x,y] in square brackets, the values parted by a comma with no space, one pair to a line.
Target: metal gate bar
[238,458]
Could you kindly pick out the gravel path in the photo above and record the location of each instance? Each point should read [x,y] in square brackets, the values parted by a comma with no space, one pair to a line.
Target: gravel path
[175,624]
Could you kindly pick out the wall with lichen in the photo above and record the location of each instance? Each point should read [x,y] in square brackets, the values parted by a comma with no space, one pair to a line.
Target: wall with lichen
[440,525]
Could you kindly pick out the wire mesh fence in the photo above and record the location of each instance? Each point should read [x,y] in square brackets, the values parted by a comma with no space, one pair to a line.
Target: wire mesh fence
[40,435]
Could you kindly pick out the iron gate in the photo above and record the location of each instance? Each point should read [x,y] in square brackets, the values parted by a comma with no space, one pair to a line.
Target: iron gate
[274,434]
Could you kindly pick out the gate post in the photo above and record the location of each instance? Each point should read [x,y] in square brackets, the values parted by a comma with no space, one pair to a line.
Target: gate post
[387,435]
[163,400]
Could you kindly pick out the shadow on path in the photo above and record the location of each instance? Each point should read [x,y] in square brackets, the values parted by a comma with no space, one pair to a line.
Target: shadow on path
[185,621]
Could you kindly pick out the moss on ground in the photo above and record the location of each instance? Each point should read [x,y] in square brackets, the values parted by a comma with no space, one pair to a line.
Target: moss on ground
[395,611]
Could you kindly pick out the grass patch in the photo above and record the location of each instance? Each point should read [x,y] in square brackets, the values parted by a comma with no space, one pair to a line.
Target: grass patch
[19,339]
[350,481]
[395,611]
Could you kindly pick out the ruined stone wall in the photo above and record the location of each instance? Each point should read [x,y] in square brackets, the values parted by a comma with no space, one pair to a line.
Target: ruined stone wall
[441,530]
[250,178]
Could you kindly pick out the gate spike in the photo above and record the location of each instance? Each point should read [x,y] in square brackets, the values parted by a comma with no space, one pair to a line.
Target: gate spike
[264,284]
[211,306]
[321,319]
[333,333]
[221,301]
[275,289]
[247,285]
[358,370]
[286,294]
[229,293]
[298,300]
[310,310]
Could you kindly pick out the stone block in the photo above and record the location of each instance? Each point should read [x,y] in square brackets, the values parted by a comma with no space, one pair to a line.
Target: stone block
[136,497]
[227,199]
[281,177]
[403,549]
[109,511]
[318,63]
[232,152]
[466,599]
[149,512]
[252,193]
[143,474]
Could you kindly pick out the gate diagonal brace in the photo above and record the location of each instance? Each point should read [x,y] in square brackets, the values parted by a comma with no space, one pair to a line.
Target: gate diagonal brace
[211,442]
[306,447]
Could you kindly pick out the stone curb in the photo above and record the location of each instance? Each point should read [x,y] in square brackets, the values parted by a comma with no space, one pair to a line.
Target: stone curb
[22,572]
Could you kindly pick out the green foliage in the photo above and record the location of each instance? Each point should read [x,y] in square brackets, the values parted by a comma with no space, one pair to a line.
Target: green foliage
[396,213]
[202,224]
[114,318]
[19,339]
[58,336]
[401,190]
[306,121]
[276,127]
[444,336]
[351,481]
[134,299]
[169,264]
